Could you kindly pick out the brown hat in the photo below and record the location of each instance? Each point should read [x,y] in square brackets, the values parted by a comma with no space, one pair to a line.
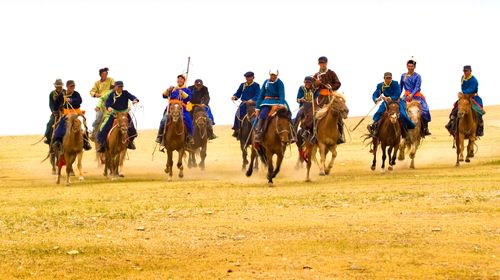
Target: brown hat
[58,82]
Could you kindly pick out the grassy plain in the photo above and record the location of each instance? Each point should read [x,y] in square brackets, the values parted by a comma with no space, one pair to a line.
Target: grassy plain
[435,222]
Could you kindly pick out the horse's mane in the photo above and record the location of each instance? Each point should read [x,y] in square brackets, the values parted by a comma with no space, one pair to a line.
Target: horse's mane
[415,103]
[321,113]
[69,122]
[282,113]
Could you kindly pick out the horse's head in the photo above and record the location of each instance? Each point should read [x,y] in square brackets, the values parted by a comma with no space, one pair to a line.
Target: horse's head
[283,126]
[338,105]
[75,123]
[464,106]
[175,111]
[200,117]
[415,111]
[393,112]
[250,104]
[122,121]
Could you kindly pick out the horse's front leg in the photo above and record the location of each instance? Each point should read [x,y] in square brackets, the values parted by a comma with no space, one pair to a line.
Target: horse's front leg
[270,168]
[333,149]
[244,155]
[392,154]
[179,163]
[402,146]
[69,168]
[384,157]
[253,155]
[470,149]
[322,155]
[279,160]
[203,155]
[79,166]
[170,163]
[460,148]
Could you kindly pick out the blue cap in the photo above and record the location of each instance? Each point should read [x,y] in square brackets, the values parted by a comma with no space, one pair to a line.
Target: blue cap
[249,74]
[322,59]
[467,67]
[118,84]
[308,79]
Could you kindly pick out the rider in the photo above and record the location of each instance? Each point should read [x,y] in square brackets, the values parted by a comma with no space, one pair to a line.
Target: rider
[201,96]
[305,97]
[182,93]
[101,90]
[272,93]
[469,87]
[410,83]
[389,91]
[248,90]
[55,111]
[70,103]
[117,101]
[326,81]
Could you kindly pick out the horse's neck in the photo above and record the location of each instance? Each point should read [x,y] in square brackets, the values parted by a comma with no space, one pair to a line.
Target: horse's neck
[330,118]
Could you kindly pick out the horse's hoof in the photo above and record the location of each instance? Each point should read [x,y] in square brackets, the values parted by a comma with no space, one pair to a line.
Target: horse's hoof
[467,160]
[248,173]
[181,175]
[322,173]
[372,168]
[71,173]
[67,184]
[113,178]
[401,158]
[165,170]
[457,164]
[81,179]
[169,178]
[121,175]
[270,184]
[308,180]
[382,171]
[412,166]
[461,159]
[54,172]
[390,168]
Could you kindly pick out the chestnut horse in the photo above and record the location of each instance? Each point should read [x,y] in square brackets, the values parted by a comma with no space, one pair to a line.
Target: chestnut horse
[466,128]
[72,148]
[200,123]
[389,136]
[327,133]
[246,133]
[116,144]
[174,137]
[276,137]
[413,137]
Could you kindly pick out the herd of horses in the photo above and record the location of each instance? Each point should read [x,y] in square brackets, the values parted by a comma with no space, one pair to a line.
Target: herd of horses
[279,134]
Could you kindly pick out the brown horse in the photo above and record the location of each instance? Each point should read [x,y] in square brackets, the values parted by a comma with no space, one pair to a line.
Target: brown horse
[389,136]
[174,137]
[276,137]
[327,133]
[246,133]
[72,148]
[466,128]
[413,137]
[116,144]
[200,123]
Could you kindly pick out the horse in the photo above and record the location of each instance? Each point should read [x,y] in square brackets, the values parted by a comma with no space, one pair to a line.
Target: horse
[116,144]
[413,137]
[389,136]
[327,134]
[276,137]
[246,133]
[174,137]
[200,121]
[466,128]
[72,148]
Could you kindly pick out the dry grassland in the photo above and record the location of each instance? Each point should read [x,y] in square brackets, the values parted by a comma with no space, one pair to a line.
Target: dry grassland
[435,222]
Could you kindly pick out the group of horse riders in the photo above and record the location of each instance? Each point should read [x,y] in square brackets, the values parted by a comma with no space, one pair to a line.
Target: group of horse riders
[314,94]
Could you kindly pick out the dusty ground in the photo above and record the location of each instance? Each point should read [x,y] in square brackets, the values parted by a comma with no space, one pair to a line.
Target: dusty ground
[435,222]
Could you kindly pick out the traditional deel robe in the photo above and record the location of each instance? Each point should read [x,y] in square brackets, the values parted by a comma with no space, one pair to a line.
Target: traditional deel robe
[470,86]
[309,95]
[271,93]
[176,94]
[392,90]
[245,92]
[69,107]
[102,87]
[54,109]
[202,96]
[411,84]
[119,103]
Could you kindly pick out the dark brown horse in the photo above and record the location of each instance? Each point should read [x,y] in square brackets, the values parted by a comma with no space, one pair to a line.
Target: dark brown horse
[276,137]
[246,133]
[389,136]
[413,137]
[327,133]
[200,123]
[116,144]
[72,148]
[466,128]
[174,137]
